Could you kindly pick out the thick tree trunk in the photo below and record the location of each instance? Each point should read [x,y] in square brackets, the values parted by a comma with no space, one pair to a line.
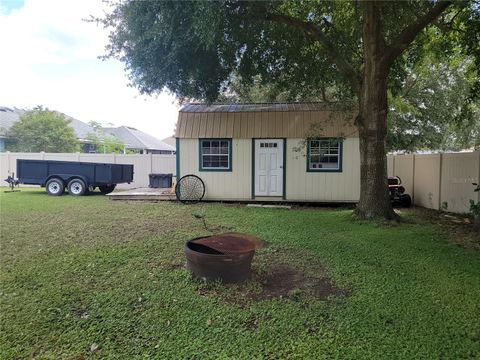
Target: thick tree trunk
[372,122]
[374,197]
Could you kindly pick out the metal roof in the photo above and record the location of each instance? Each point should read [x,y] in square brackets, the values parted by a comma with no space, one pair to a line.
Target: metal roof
[136,139]
[246,121]
[257,107]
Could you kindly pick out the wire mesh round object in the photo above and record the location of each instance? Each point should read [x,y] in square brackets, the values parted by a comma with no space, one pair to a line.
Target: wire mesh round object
[190,189]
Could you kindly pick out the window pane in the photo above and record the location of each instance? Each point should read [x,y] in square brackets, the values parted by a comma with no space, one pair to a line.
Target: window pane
[215,154]
[205,147]
[224,162]
[215,147]
[224,148]
[324,154]
[206,161]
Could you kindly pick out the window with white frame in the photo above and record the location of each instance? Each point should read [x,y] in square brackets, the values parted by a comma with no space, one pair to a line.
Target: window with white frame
[324,154]
[216,154]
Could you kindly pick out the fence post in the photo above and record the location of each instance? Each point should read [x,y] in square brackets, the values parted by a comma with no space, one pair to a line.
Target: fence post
[8,162]
[413,179]
[151,163]
[440,183]
[478,178]
[42,155]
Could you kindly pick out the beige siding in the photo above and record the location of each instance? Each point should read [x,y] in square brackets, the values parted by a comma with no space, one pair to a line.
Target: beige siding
[273,124]
[220,185]
[144,164]
[323,186]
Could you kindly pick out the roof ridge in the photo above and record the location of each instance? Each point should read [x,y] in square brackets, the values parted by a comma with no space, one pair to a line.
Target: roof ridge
[262,103]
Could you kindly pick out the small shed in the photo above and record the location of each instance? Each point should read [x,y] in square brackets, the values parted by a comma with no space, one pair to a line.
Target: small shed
[300,152]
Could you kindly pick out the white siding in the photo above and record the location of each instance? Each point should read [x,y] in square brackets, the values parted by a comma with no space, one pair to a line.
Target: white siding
[300,184]
[221,185]
[323,186]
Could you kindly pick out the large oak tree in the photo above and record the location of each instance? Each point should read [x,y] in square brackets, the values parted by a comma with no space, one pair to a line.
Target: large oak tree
[359,47]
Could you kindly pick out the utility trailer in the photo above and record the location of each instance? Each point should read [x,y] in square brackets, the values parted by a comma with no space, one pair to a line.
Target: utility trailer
[76,177]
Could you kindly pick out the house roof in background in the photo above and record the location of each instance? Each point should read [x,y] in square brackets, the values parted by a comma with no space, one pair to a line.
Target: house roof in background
[136,139]
[170,141]
[258,107]
[80,128]
[9,116]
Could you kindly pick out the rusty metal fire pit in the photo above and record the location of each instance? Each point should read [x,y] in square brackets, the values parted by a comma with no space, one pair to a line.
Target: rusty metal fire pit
[226,257]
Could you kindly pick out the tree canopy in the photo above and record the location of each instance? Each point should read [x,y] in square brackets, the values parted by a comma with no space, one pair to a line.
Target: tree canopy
[435,109]
[43,130]
[194,48]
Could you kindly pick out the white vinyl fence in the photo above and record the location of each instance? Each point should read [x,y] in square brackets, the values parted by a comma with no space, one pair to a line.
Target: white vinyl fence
[438,181]
[435,181]
[143,164]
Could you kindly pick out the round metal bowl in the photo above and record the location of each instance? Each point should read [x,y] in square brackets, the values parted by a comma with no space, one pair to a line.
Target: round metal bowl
[225,257]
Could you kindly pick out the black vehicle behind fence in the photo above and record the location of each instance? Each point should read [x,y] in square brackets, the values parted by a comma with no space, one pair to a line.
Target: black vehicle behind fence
[76,177]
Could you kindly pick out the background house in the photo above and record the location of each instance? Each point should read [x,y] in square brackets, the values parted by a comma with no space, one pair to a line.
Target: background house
[138,141]
[134,140]
[170,141]
[9,116]
[259,151]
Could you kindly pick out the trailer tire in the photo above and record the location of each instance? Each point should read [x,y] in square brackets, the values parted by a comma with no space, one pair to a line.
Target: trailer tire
[55,187]
[107,189]
[77,187]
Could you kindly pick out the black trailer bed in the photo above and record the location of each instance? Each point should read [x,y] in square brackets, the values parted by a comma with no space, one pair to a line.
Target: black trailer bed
[40,172]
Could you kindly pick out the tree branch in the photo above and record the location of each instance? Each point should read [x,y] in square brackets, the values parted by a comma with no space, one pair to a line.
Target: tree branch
[345,68]
[406,37]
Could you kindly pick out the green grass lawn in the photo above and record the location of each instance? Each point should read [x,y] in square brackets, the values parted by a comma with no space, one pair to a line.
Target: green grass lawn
[92,278]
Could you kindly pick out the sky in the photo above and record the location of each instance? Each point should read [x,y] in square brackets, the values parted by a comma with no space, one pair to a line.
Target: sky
[49,57]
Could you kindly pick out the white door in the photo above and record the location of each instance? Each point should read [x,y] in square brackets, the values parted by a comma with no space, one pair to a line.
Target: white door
[269,167]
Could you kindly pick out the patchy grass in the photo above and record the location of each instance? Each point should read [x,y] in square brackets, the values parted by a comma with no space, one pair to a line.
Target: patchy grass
[91,278]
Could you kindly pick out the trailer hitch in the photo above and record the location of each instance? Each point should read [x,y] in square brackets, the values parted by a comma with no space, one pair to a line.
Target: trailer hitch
[12,182]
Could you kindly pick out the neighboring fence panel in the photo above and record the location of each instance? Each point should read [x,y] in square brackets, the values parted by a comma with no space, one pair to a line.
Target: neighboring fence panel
[458,174]
[144,164]
[404,170]
[390,165]
[427,180]
[439,181]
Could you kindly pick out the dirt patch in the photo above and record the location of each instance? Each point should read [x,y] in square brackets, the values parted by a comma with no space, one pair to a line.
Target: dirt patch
[276,282]
[285,281]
